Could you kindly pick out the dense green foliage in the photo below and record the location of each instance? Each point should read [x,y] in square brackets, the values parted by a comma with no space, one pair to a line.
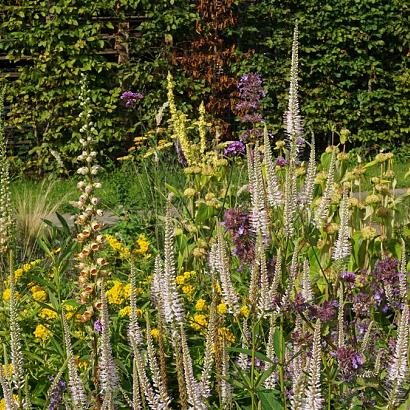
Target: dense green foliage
[354,58]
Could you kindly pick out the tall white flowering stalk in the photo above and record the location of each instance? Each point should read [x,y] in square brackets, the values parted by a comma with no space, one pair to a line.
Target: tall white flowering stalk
[172,306]
[10,403]
[107,370]
[322,210]
[309,186]
[264,299]
[272,379]
[342,248]
[403,273]
[219,263]
[193,388]
[307,293]
[293,271]
[313,395]
[158,382]
[226,388]
[92,267]
[293,119]
[6,219]
[134,330]
[298,381]
[290,200]
[205,382]
[277,276]
[398,371]
[259,215]
[78,396]
[272,184]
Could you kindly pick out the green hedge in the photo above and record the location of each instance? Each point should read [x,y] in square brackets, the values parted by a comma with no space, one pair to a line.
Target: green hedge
[354,67]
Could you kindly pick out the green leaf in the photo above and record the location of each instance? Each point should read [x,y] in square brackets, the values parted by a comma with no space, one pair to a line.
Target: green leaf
[268,400]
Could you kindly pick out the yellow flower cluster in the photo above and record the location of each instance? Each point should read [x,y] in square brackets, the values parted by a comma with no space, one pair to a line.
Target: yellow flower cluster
[41,333]
[7,370]
[225,332]
[81,363]
[120,292]
[69,309]
[222,309]
[3,402]
[200,305]
[199,321]
[48,314]
[18,273]
[38,293]
[117,246]
[155,333]
[143,245]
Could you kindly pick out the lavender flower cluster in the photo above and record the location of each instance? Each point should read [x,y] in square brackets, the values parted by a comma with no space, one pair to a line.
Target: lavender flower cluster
[235,149]
[250,94]
[237,222]
[130,98]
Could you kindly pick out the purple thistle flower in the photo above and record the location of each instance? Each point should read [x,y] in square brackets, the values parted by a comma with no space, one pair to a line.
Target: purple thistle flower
[98,326]
[235,149]
[130,98]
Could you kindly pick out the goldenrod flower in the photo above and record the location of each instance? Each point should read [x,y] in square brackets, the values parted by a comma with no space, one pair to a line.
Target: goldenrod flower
[115,295]
[187,289]
[199,321]
[117,246]
[6,294]
[42,333]
[229,336]
[7,370]
[143,245]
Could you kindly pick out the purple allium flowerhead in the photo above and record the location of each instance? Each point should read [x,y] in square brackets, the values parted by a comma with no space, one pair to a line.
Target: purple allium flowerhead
[235,149]
[97,326]
[130,98]
[281,162]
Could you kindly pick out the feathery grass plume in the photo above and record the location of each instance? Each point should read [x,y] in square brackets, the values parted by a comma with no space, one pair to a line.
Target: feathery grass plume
[313,395]
[205,382]
[6,220]
[309,187]
[322,210]
[107,370]
[398,371]
[264,300]
[226,388]
[76,387]
[306,283]
[134,329]
[272,184]
[272,379]
[220,263]
[403,273]
[15,337]
[342,247]
[277,276]
[7,393]
[143,381]
[192,386]
[340,321]
[92,267]
[293,120]
[159,385]
[259,215]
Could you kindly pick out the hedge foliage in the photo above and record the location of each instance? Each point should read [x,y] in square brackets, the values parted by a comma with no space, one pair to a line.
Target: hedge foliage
[354,67]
